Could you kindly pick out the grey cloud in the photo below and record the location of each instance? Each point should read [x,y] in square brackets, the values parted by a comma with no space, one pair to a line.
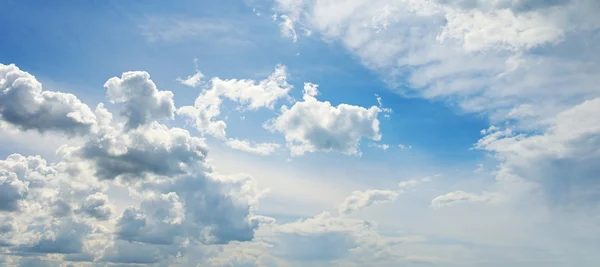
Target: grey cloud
[96,206]
[64,237]
[12,190]
[202,208]
[24,104]
[133,253]
[143,102]
[154,149]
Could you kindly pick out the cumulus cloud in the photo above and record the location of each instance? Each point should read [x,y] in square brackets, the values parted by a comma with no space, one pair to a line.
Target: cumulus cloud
[24,104]
[97,206]
[142,101]
[12,191]
[263,149]
[150,149]
[51,191]
[312,125]
[64,207]
[249,94]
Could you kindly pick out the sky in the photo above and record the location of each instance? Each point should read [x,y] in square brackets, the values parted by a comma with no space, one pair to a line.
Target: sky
[300,133]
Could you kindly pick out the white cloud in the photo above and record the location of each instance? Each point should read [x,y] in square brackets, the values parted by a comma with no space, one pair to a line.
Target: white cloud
[502,29]
[362,199]
[464,51]
[249,94]
[359,200]
[192,80]
[453,198]
[61,211]
[143,102]
[24,104]
[380,146]
[327,240]
[561,160]
[257,148]
[312,125]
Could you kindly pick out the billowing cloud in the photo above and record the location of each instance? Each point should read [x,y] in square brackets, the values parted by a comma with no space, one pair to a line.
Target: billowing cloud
[64,207]
[312,125]
[150,149]
[24,104]
[257,148]
[51,191]
[143,102]
[96,206]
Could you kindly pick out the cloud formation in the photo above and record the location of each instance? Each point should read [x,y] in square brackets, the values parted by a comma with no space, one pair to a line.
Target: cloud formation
[64,207]
[25,105]
[142,101]
[312,125]
[248,94]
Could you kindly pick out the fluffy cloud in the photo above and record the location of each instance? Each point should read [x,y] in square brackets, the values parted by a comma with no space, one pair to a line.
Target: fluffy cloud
[96,206]
[44,222]
[259,148]
[150,149]
[143,102]
[312,125]
[12,191]
[248,94]
[192,80]
[64,208]
[24,104]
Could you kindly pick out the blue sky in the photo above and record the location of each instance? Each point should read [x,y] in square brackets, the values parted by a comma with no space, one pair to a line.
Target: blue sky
[383,133]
